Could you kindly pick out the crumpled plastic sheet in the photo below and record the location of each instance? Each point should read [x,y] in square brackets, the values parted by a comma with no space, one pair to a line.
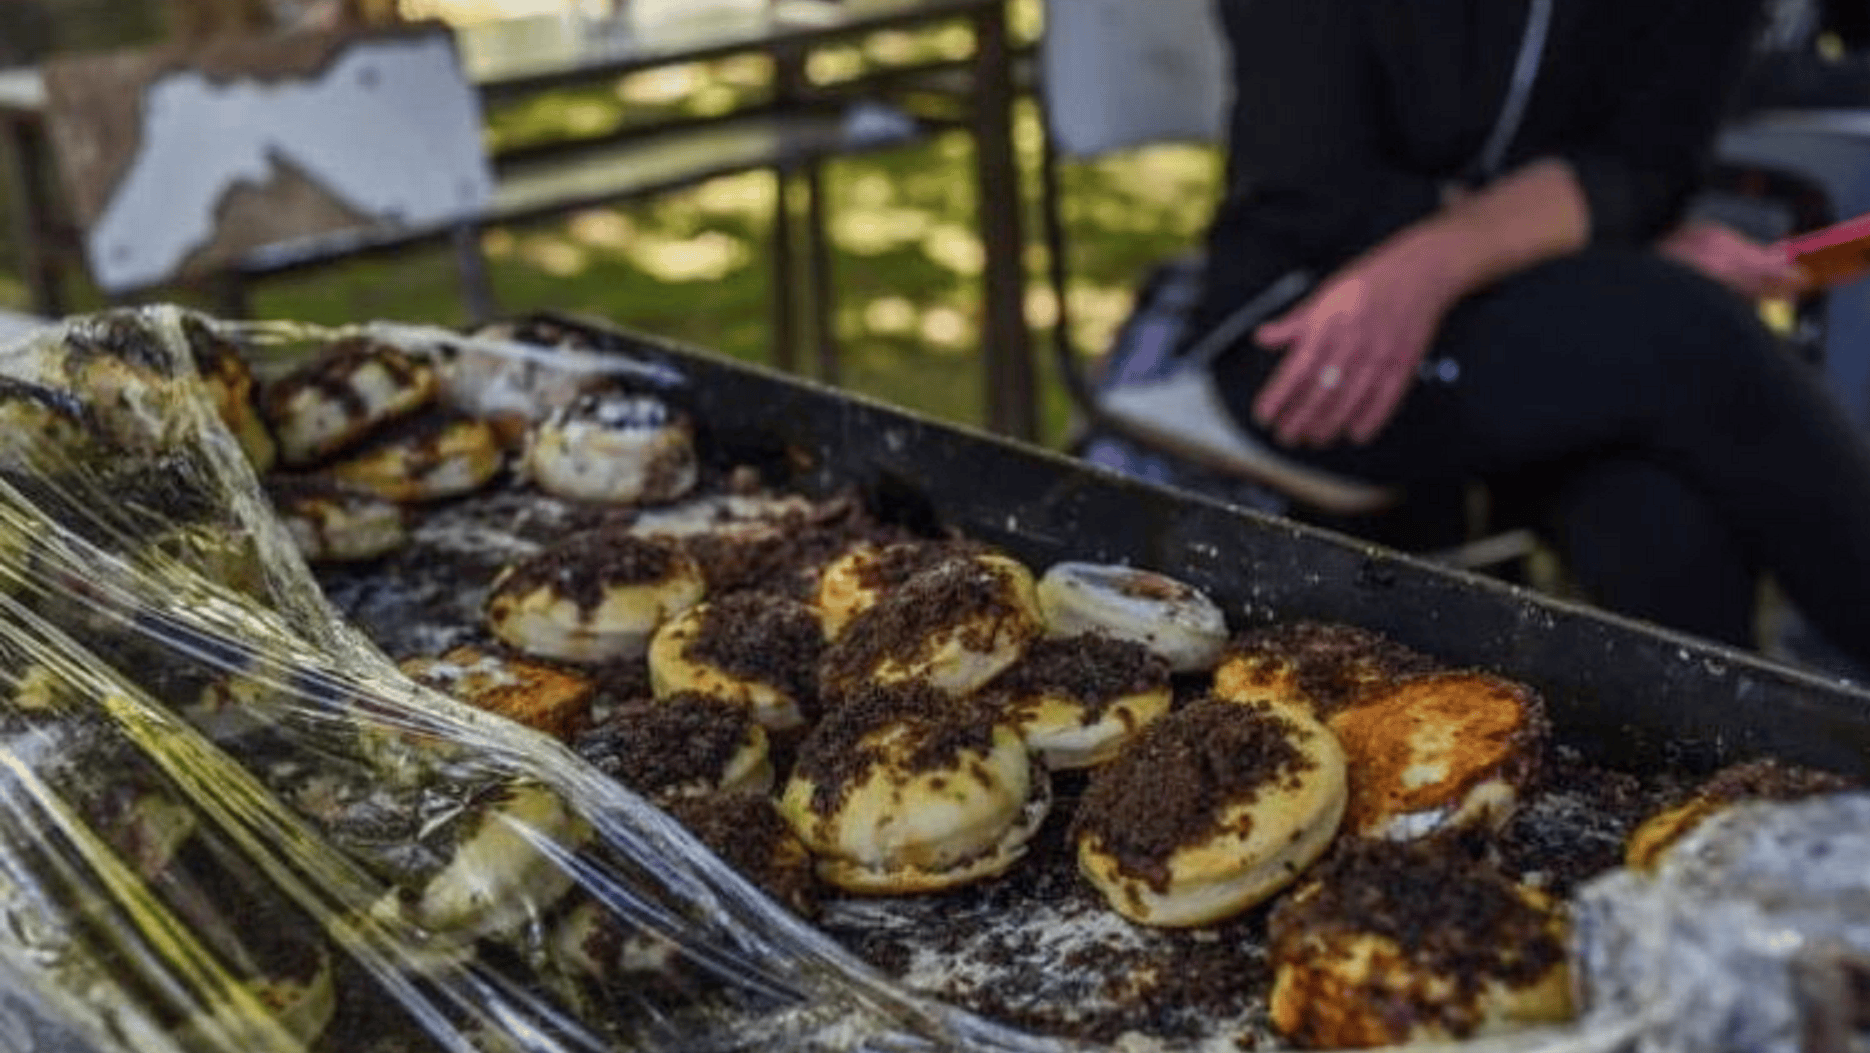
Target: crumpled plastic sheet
[162,889]
[160,886]
[1753,934]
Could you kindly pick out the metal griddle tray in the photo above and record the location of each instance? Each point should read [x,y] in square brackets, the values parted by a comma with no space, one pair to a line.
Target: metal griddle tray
[1625,693]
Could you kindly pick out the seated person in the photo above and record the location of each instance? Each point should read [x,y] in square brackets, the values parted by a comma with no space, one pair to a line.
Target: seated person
[1503,293]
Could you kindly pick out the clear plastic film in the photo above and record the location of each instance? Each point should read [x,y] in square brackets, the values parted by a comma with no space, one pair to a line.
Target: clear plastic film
[229,822]
[1752,934]
[232,824]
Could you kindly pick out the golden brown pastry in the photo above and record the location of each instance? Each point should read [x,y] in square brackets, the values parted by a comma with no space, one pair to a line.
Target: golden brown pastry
[853,582]
[1438,751]
[1764,779]
[334,523]
[757,648]
[955,625]
[902,789]
[1389,943]
[350,389]
[1212,809]
[684,745]
[592,597]
[1078,701]
[538,696]
[1321,665]
[423,458]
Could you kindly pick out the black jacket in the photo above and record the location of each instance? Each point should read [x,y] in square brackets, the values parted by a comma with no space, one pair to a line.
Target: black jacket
[1350,116]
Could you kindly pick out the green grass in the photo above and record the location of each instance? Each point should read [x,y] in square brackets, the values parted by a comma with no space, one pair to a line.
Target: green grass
[695,265]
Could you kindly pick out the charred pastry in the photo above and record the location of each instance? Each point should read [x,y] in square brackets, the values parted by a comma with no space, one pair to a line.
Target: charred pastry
[334,523]
[1440,751]
[348,391]
[756,648]
[1764,779]
[1211,810]
[613,446]
[1078,701]
[955,626]
[423,458]
[902,789]
[685,745]
[592,597]
[545,699]
[1391,943]
[1170,618]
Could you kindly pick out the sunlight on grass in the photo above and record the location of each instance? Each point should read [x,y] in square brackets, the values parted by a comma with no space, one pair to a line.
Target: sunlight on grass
[742,197]
[955,247]
[554,255]
[876,230]
[889,315]
[946,327]
[708,256]
[602,228]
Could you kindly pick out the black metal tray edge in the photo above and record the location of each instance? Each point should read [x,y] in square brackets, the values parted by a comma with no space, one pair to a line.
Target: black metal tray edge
[1625,692]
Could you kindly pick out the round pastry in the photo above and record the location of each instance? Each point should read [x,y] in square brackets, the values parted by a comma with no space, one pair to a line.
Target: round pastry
[736,516]
[509,380]
[1765,779]
[613,446]
[955,625]
[229,381]
[550,700]
[1439,751]
[334,523]
[334,400]
[593,596]
[756,648]
[498,876]
[423,458]
[1078,701]
[1173,619]
[1392,943]
[1323,666]
[680,746]
[902,789]
[1212,809]
[853,582]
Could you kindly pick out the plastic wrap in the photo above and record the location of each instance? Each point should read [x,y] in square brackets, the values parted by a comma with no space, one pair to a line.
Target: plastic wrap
[328,855]
[230,822]
[1753,934]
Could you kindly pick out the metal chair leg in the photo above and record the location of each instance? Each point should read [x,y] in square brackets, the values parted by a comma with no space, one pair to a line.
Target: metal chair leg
[820,286]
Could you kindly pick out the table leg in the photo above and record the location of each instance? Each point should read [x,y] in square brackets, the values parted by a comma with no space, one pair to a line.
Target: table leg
[26,161]
[1012,392]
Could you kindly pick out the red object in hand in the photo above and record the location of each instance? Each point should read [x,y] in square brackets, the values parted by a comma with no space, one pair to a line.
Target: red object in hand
[1833,255]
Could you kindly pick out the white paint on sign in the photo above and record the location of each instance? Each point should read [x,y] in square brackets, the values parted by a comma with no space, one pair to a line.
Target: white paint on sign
[391,129]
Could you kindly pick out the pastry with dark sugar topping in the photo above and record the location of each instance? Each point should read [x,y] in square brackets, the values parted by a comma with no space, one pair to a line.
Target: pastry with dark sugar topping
[954,625]
[592,597]
[223,369]
[1391,942]
[748,833]
[1079,700]
[1440,751]
[1211,810]
[613,445]
[684,745]
[853,582]
[425,457]
[350,389]
[901,789]
[1322,665]
[334,523]
[756,648]
[1764,779]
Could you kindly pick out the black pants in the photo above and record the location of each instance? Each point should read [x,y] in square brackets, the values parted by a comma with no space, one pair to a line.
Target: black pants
[1671,447]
